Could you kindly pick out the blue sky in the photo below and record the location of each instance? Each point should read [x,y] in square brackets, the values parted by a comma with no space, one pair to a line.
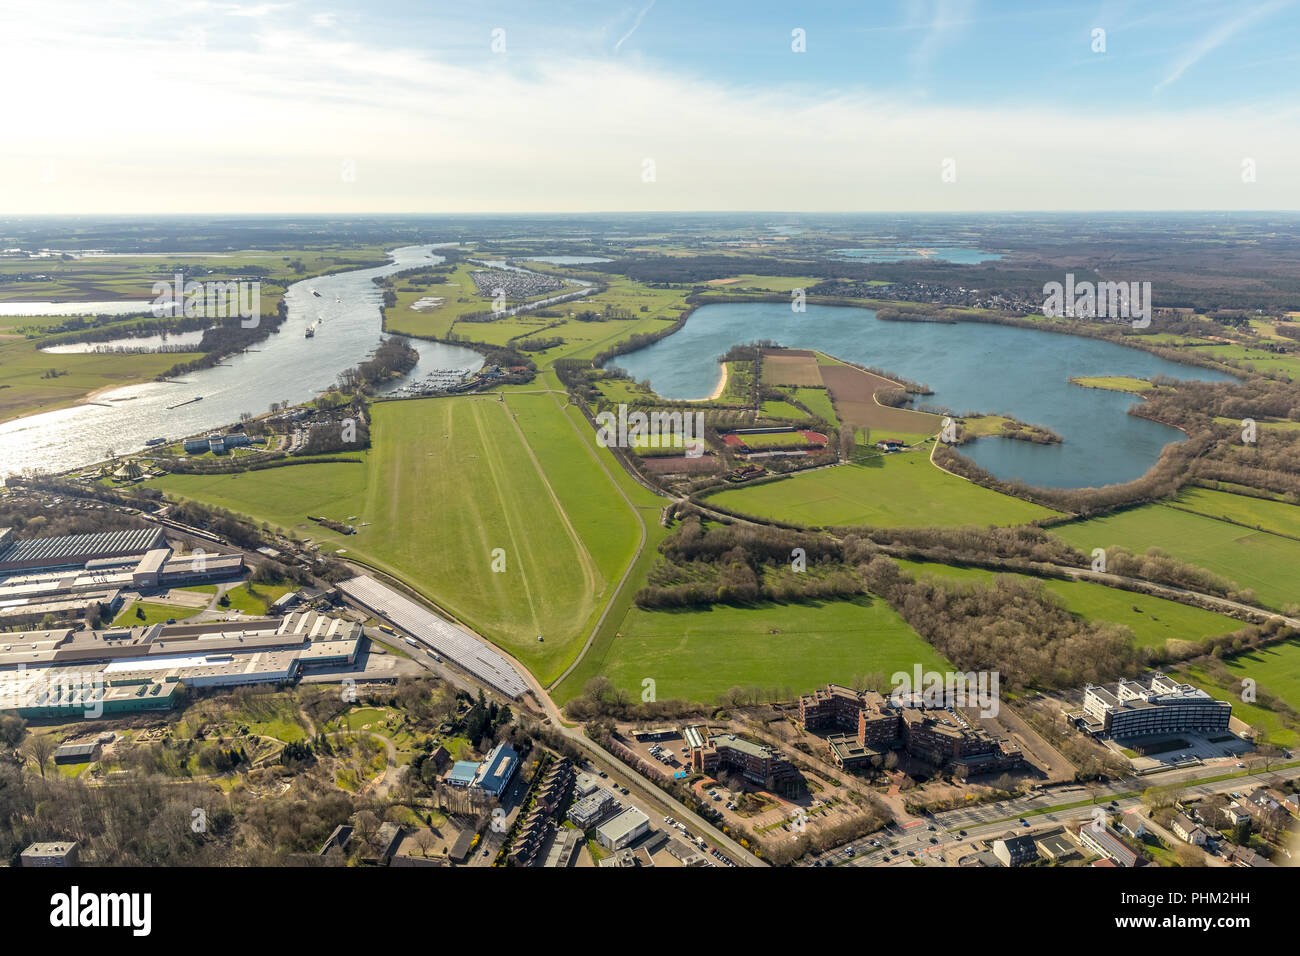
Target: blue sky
[192,105]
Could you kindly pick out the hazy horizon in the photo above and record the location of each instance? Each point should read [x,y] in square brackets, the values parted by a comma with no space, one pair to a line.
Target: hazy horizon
[147,108]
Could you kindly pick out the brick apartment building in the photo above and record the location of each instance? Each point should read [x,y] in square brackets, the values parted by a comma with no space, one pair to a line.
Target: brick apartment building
[755,762]
[938,735]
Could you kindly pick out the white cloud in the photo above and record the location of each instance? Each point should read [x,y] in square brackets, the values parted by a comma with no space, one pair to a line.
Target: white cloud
[261,118]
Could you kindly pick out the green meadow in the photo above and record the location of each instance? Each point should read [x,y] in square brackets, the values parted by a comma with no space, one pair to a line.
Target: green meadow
[1259,560]
[1262,513]
[697,654]
[1153,620]
[153,614]
[1275,673]
[901,490]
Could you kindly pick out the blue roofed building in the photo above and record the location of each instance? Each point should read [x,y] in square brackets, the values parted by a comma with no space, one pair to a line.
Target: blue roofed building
[463,773]
[495,772]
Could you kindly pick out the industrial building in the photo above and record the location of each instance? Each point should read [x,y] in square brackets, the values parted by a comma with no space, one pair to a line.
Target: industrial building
[62,579]
[90,674]
[73,549]
[451,642]
[623,829]
[1131,708]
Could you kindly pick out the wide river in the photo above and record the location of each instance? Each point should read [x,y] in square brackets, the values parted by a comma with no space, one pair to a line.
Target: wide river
[284,367]
[971,367]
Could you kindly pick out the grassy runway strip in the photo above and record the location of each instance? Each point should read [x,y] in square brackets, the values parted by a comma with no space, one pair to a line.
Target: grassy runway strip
[447,483]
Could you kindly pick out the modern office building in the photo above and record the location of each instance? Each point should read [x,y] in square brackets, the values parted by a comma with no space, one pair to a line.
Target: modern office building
[591,809]
[623,829]
[496,770]
[463,773]
[63,853]
[1132,708]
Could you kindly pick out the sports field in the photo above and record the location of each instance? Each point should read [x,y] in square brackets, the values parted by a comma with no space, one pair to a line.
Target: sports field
[782,649]
[1259,560]
[903,490]
[1153,621]
[447,483]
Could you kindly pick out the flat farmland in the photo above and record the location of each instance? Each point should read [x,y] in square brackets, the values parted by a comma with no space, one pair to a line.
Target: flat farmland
[791,367]
[1253,559]
[104,278]
[1154,621]
[903,490]
[761,283]
[448,482]
[1255,512]
[697,654]
[853,393]
[818,401]
[783,411]
[25,391]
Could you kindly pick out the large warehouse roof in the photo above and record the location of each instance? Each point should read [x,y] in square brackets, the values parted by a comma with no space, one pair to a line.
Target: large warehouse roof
[459,646]
[77,548]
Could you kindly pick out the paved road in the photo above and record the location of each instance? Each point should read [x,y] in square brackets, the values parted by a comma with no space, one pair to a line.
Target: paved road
[951,839]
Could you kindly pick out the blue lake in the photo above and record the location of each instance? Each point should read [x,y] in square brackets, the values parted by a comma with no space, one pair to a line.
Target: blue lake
[971,367]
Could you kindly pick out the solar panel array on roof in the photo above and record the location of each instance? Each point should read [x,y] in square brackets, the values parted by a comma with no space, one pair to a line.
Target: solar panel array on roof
[462,648]
[77,548]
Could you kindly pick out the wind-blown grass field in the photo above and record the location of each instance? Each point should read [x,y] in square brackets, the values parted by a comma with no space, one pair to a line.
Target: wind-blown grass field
[1255,512]
[782,649]
[448,482]
[903,490]
[1259,560]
